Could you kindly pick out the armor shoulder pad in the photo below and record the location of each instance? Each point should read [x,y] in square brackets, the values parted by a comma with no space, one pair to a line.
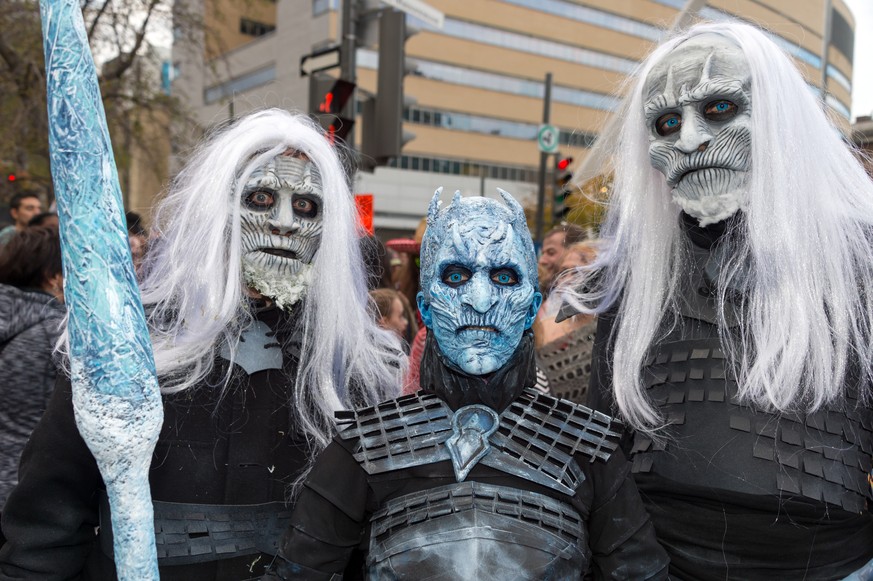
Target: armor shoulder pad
[570,425]
[398,433]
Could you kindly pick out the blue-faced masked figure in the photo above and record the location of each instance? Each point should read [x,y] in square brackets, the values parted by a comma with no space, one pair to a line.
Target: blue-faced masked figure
[476,476]
[479,281]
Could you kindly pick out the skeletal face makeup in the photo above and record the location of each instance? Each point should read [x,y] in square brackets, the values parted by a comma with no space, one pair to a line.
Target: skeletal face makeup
[281,222]
[479,285]
[698,110]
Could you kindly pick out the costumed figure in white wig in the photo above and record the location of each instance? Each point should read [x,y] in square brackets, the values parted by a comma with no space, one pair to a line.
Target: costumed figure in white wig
[256,307]
[735,295]
[476,476]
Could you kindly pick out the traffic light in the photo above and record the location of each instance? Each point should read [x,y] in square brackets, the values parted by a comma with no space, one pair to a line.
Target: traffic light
[327,97]
[383,118]
[563,177]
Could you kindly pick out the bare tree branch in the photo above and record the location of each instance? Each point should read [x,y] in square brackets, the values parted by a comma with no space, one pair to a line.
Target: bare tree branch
[97,16]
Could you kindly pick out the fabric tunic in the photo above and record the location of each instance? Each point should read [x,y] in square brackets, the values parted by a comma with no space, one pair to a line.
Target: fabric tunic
[215,450]
[29,327]
[736,492]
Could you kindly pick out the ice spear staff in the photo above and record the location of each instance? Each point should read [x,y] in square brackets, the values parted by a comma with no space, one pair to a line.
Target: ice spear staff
[116,399]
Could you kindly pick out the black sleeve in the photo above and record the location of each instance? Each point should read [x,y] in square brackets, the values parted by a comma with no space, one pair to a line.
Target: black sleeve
[623,544]
[328,520]
[49,519]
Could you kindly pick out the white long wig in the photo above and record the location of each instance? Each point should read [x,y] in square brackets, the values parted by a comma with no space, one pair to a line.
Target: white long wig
[195,295]
[804,262]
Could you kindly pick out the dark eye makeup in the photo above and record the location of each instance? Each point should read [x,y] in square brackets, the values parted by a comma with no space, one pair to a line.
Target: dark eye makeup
[668,123]
[720,110]
[260,200]
[305,207]
[455,275]
[504,276]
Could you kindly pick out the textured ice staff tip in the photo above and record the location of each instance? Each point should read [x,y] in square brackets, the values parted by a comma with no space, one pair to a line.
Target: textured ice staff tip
[115,391]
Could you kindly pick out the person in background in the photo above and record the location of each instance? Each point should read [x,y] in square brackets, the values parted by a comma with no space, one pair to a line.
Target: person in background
[555,243]
[405,277]
[31,312]
[407,281]
[22,207]
[138,239]
[44,219]
[564,347]
[390,313]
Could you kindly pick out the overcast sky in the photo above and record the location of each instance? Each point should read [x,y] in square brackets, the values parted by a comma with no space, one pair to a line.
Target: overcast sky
[862,85]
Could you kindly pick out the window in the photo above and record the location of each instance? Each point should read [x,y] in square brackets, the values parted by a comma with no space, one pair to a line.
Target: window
[254,28]
[239,84]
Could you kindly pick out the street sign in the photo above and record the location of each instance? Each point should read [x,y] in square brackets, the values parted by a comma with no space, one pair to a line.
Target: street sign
[420,10]
[547,138]
[321,60]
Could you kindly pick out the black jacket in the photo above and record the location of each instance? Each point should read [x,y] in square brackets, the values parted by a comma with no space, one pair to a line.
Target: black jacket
[29,321]
[736,492]
[236,448]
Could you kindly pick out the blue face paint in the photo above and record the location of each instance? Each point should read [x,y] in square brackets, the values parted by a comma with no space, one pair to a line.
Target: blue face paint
[478,280]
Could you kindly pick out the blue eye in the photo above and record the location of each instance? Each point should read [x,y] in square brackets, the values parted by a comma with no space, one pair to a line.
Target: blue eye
[720,110]
[669,123]
[455,275]
[504,276]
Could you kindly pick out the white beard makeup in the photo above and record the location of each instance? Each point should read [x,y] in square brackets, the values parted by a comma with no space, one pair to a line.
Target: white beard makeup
[698,109]
[281,223]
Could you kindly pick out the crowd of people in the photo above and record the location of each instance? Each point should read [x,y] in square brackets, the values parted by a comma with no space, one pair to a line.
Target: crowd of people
[685,394]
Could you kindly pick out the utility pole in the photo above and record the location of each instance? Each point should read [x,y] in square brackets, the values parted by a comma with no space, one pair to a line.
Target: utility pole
[347,62]
[825,46]
[544,157]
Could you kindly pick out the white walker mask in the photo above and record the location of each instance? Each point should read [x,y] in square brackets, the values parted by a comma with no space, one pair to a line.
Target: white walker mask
[281,223]
[697,103]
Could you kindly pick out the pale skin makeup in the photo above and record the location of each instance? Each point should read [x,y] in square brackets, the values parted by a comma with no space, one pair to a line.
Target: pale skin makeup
[697,103]
[281,222]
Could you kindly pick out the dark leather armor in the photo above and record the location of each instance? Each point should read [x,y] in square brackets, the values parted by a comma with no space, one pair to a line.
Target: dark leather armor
[473,530]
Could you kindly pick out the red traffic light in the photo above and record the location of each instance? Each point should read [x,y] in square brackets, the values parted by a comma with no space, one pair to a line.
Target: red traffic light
[564,163]
[11,177]
[334,100]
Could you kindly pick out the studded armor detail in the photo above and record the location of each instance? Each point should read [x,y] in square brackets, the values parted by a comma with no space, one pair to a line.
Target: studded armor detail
[825,456]
[536,438]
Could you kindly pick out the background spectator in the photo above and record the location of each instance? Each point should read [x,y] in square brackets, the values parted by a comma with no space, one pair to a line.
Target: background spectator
[564,349]
[138,238]
[407,280]
[22,207]
[31,310]
[555,243]
[44,219]
[390,313]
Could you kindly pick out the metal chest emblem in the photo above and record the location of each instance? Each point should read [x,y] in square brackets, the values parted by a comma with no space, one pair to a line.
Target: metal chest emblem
[472,425]
[257,349]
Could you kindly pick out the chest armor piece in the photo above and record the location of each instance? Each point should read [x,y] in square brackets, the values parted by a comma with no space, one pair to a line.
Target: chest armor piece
[471,530]
[537,438]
